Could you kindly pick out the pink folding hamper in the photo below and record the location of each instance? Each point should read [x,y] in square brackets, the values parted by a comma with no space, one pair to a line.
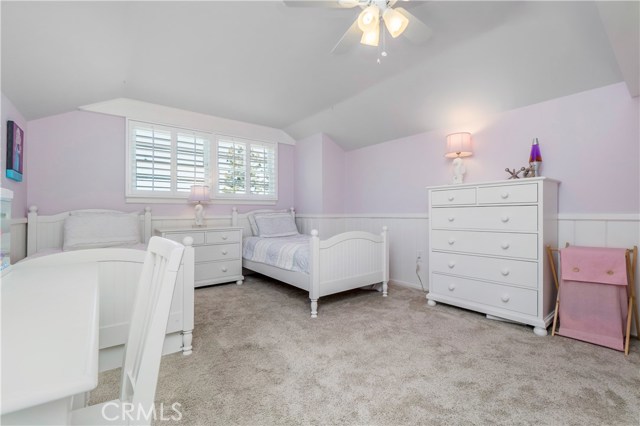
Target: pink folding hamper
[596,298]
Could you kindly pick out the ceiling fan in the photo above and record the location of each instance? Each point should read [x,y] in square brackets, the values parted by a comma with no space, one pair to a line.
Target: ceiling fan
[367,27]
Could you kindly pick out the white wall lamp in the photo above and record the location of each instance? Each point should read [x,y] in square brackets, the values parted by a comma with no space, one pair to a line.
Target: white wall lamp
[199,194]
[458,146]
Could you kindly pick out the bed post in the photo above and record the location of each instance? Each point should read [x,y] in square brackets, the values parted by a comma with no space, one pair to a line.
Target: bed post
[385,260]
[234,216]
[314,272]
[32,230]
[188,296]
[147,224]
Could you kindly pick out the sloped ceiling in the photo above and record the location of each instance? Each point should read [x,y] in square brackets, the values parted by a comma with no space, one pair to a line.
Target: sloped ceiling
[268,64]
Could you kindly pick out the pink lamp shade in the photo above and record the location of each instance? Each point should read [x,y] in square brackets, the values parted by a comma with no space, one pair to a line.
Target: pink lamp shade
[458,145]
[199,193]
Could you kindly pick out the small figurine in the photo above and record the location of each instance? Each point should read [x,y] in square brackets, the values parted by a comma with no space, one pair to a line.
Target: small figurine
[514,174]
[535,158]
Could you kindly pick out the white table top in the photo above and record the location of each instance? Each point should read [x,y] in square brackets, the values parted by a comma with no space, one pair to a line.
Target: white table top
[49,334]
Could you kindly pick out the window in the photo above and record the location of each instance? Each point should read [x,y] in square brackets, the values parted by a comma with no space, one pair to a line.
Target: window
[245,169]
[166,161]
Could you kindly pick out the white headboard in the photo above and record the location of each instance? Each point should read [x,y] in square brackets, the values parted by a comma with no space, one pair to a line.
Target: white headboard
[242,220]
[46,232]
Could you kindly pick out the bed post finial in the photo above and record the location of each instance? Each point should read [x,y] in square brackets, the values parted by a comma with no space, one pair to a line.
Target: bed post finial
[234,216]
[33,209]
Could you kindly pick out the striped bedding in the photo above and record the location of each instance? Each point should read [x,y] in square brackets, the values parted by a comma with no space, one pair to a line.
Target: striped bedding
[290,253]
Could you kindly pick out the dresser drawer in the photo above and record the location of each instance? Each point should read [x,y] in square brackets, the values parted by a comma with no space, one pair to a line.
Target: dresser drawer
[501,218]
[198,237]
[222,236]
[217,252]
[507,271]
[450,197]
[493,243]
[526,193]
[499,296]
[216,270]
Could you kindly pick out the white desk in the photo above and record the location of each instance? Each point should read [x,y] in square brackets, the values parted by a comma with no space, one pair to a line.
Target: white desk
[49,341]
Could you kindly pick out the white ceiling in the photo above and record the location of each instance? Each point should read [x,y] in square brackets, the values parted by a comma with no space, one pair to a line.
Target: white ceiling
[269,64]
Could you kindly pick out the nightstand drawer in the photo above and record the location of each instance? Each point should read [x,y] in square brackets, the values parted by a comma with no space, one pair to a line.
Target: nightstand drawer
[508,271]
[499,218]
[222,236]
[449,197]
[198,237]
[492,243]
[216,270]
[217,252]
[527,193]
[499,296]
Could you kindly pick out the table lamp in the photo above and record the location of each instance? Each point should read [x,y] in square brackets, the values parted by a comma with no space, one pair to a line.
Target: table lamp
[198,195]
[458,146]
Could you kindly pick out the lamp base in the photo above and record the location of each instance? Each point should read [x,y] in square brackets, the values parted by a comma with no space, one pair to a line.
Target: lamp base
[458,171]
[199,213]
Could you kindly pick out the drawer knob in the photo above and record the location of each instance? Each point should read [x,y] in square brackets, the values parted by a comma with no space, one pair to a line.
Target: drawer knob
[451,241]
[224,237]
[451,198]
[505,245]
[451,218]
[505,272]
[504,195]
[504,219]
[224,252]
[451,264]
[223,269]
[505,298]
[452,287]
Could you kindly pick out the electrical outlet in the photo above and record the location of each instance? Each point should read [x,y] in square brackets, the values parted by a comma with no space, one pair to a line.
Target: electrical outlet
[419,256]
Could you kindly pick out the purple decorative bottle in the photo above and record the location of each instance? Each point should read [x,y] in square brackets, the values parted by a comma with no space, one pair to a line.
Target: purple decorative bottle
[535,158]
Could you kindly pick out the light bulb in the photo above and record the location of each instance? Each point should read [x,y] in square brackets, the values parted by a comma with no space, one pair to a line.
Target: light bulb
[395,22]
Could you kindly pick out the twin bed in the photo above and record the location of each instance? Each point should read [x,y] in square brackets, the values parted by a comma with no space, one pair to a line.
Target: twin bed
[343,262]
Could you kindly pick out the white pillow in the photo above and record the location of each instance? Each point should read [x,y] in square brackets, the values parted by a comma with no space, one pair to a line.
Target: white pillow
[252,219]
[275,225]
[100,229]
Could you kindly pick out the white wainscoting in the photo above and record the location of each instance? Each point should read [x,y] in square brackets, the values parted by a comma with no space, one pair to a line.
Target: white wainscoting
[18,239]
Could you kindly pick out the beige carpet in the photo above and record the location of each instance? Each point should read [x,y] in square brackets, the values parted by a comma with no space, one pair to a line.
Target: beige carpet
[259,359]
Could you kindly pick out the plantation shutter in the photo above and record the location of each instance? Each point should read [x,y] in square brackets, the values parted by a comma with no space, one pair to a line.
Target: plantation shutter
[192,161]
[152,159]
[263,176]
[232,169]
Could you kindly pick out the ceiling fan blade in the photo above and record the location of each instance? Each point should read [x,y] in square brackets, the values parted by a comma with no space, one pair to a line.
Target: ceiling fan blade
[417,32]
[333,4]
[348,40]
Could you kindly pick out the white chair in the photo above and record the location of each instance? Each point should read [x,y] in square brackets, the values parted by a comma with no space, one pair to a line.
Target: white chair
[143,349]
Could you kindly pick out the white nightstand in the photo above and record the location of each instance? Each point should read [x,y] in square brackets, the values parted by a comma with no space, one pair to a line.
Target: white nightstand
[218,252]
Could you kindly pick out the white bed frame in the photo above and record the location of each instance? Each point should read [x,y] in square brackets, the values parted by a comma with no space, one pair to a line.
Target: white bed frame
[119,271]
[343,262]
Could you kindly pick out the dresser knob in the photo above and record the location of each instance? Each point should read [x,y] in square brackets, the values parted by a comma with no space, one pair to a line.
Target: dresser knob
[504,195]
[505,298]
[223,269]
[224,237]
[505,272]
[451,218]
[452,287]
[451,241]
[224,252]
[504,219]
[451,264]
[504,245]
[451,198]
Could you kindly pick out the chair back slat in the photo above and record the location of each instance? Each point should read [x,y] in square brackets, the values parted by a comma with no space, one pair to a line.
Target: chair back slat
[143,350]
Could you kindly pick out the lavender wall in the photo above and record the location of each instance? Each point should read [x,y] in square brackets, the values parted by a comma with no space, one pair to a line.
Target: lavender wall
[9,112]
[589,141]
[77,161]
[308,174]
[333,176]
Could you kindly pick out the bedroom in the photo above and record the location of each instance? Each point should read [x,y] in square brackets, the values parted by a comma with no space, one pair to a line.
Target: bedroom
[357,144]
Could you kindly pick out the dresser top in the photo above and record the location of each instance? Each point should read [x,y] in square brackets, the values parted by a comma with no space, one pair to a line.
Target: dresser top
[521,181]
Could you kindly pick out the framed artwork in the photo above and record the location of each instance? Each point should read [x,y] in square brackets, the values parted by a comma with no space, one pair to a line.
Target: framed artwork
[15,150]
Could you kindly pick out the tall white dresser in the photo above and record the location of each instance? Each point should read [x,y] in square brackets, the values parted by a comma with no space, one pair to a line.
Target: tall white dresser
[487,248]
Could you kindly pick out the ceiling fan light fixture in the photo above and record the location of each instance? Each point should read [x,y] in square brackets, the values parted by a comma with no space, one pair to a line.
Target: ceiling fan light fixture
[395,22]
[369,18]
[371,37]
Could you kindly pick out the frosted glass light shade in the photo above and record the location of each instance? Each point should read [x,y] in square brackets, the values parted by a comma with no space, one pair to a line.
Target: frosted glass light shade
[369,18]
[458,145]
[371,37]
[199,193]
[395,22]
